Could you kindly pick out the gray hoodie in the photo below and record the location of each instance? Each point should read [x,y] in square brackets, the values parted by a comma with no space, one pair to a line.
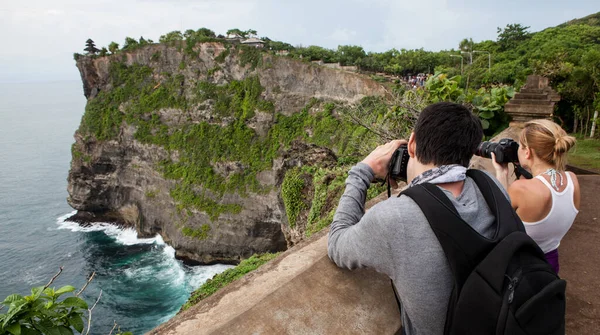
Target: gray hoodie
[394,238]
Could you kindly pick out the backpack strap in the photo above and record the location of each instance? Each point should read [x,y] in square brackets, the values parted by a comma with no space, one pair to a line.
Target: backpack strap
[460,242]
[498,204]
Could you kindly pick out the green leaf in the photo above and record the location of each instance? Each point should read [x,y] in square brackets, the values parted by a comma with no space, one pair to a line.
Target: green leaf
[14,328]
[36,292]
[29,331]
[64,289]
[65,331]
[75,302]
[49,292]
[15,308]
[48,328]
[12,298]
[486,114]
[76,322]
[485,124]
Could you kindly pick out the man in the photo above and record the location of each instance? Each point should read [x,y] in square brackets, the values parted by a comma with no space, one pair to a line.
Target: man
[394,236]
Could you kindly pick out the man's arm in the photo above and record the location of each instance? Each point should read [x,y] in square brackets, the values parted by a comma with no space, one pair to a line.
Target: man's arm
[357,239]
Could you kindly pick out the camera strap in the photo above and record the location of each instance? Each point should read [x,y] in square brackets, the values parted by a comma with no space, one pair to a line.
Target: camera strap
[520,171]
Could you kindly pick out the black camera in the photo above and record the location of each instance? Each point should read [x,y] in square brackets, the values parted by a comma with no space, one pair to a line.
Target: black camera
[398,163]
[505,150]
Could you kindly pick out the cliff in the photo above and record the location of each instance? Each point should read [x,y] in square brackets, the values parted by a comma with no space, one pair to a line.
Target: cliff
[224,150]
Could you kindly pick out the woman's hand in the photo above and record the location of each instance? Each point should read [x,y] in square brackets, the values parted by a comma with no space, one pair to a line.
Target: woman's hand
[501,171]
[379,159]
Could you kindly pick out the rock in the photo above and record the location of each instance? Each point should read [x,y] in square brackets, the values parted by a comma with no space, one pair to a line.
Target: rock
[120,179]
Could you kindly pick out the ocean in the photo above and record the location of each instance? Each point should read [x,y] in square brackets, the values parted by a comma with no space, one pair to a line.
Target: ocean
[142,283]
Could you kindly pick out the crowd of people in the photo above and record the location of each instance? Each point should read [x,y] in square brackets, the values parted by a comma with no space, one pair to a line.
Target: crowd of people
[395,237]
[417,81]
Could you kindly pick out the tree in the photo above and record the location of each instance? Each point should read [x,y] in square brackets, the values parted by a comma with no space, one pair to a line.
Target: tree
[512,35]
[205,32]
[130,43]
[243,34]
[113,47]
[350,54]
[466,45]
[103,52]
[90,47]
[236,31]
[173,36]
[189,34]
[143,41]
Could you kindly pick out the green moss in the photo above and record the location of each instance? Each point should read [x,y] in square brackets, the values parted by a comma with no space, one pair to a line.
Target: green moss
[151,194]
[200,234]
[328,188]
[155,56]
[182,65]
[212,71]
[75,153]
[221,57]
[221,280]
[186,197]
[137,97]
[291,193]
[250,55]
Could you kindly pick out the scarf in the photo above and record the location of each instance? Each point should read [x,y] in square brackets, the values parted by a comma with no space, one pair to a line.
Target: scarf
[441,174]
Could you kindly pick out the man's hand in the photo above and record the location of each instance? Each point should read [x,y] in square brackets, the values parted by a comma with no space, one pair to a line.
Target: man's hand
[379,159]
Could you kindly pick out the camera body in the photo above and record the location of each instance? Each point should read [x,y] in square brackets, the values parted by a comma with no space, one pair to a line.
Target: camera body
[505,150]
[398,163]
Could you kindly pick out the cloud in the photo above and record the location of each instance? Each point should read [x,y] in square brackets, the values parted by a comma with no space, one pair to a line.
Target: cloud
[40,36]
[342,35]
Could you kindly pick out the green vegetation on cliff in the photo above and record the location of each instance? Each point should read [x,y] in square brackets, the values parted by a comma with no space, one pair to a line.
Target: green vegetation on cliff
[221,280]
[218,155]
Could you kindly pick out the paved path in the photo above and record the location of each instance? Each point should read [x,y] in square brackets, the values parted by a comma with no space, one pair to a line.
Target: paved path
[580,261]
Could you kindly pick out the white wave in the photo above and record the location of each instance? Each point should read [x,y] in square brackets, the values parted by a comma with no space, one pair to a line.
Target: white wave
[159,240]
[169,251]
[200,274]
[125,236]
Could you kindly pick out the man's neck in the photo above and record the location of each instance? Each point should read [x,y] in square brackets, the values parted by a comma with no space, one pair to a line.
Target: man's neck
[454,187]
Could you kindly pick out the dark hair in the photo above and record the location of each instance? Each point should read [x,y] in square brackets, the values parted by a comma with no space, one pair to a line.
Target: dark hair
[447,133]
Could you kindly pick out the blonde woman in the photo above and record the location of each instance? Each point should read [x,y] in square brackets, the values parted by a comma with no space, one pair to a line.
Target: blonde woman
[548,203]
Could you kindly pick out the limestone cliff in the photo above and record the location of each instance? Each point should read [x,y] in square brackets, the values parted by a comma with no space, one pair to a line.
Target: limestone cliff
[194,143]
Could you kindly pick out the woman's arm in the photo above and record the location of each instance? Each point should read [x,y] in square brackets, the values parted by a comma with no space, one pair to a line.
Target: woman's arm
[501,173]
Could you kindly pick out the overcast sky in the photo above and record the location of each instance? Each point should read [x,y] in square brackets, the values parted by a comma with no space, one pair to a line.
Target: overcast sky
[39,37]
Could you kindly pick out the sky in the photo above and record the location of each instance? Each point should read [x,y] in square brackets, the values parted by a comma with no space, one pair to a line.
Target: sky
[39,37]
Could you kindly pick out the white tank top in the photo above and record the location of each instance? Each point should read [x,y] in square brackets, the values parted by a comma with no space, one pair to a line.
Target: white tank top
[550,230]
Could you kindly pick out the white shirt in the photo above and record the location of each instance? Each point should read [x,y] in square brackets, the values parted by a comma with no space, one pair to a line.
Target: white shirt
[548,231]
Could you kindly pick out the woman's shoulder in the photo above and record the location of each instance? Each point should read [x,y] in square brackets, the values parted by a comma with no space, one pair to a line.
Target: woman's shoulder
[527,188]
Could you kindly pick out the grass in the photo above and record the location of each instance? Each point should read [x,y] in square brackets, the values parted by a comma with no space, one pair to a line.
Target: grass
[223,279]
[585,154]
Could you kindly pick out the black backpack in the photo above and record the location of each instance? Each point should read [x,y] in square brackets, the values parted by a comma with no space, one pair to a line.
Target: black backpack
[502,285]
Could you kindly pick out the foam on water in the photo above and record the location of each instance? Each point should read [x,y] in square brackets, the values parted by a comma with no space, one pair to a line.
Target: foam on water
[124,236]
[156,267]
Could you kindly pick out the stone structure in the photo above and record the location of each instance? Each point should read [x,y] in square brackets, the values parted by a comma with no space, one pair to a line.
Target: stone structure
[254,42]
[535,100]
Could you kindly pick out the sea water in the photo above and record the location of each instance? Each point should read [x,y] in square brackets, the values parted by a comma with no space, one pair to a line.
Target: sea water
[142,283]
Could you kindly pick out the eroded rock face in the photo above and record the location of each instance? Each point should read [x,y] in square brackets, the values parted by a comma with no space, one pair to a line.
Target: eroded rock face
[120,179]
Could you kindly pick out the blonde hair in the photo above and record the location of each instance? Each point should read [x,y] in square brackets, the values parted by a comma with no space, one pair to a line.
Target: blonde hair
[548,141]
